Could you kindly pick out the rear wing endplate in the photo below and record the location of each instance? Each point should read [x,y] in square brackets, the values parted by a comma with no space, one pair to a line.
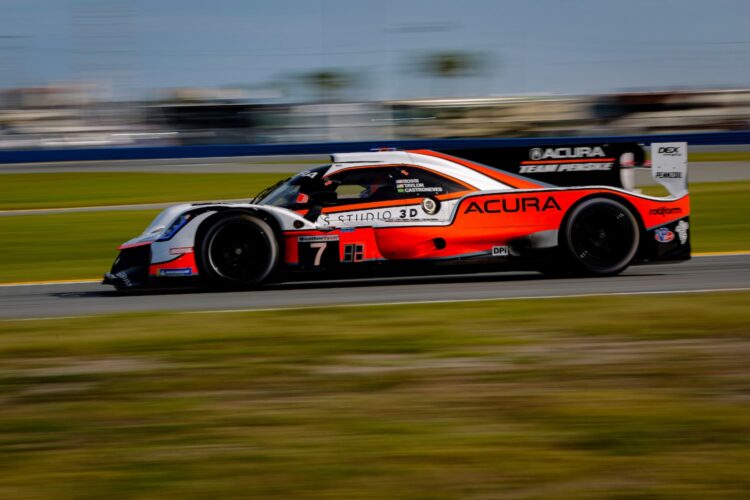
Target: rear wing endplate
[669,166]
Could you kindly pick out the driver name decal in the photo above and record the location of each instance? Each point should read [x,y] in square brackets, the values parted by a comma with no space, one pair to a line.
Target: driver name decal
[415,186]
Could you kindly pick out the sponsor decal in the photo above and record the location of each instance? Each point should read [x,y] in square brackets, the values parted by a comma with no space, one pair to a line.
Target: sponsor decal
[566,152]
[510,205]
[368,216]
[682,231]
[669,151]
[180,250]
[430,206]
[314,239]
[565,167]
[663,235]
[501,251]
[668,175]
[665,211]
[183,271]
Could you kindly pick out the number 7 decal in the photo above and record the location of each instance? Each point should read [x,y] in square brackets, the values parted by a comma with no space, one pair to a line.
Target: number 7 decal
[313,253]
[321,247]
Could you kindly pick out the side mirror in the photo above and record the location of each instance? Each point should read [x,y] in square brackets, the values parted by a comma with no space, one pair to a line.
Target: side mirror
[323,198]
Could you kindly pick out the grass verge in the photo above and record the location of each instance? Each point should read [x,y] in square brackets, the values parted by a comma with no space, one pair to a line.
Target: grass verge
[23,191]
[83,245]
[532,399]
[65,246]
[719,216]
[719,156]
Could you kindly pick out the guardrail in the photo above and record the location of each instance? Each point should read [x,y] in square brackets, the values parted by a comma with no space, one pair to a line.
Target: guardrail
[229,150]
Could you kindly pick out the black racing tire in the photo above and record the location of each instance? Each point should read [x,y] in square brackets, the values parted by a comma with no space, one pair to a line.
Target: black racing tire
[238,250]
[600,237]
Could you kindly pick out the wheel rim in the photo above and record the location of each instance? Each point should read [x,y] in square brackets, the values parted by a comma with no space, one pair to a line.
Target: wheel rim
[602,239]
[239,251]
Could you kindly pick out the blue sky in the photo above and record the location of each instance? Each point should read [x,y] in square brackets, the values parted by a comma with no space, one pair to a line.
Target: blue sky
[532,46]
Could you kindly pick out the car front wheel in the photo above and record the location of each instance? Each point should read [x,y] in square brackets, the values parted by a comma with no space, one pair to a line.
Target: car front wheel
[238,250]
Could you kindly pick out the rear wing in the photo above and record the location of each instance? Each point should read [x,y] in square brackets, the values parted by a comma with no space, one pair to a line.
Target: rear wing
[602,164]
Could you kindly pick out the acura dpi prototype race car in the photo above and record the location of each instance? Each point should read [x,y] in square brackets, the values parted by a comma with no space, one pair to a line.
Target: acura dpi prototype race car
[557,210]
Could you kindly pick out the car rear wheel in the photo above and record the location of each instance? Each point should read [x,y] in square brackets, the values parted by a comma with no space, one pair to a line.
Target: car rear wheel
[238,250]
[600,237]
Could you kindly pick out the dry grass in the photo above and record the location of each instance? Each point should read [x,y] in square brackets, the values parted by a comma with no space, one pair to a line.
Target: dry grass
[620,397]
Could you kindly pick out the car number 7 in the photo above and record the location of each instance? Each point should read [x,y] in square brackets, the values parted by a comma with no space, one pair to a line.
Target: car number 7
[319,254]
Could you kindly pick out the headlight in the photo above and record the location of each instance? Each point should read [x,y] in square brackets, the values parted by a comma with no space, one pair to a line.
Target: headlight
[178,224]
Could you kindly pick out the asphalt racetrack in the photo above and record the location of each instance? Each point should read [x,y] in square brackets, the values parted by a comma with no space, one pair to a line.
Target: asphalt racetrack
[704,273]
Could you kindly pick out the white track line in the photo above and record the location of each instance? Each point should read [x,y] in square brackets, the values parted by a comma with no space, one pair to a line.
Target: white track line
[90,281]
[50,318]
[456,301]
[404,303]
[48,283]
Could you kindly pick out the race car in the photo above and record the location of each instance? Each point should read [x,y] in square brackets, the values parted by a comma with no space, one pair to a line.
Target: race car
[406,212]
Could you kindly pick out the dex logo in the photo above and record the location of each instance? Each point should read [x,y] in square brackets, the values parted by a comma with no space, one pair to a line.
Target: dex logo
[669,151]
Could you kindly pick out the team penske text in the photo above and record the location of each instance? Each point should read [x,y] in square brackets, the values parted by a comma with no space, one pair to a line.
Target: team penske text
[565,167]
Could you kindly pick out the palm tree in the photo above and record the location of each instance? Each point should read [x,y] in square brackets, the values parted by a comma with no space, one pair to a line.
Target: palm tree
[449,65]
[327,83]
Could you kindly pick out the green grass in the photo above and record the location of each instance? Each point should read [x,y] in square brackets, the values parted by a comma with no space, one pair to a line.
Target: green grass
[65,246]
[720,156]
[23,191]
[83,245]
[713,156]
[719,216]
[74,189]
[522,399]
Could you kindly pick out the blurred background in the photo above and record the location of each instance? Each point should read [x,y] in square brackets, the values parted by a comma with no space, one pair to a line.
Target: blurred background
[83,73]
[583,393]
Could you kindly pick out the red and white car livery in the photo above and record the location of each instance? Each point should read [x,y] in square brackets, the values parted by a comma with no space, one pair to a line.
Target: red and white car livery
[410,212]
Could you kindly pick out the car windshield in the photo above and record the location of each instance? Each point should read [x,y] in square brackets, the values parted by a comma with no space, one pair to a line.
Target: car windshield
[293,191]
